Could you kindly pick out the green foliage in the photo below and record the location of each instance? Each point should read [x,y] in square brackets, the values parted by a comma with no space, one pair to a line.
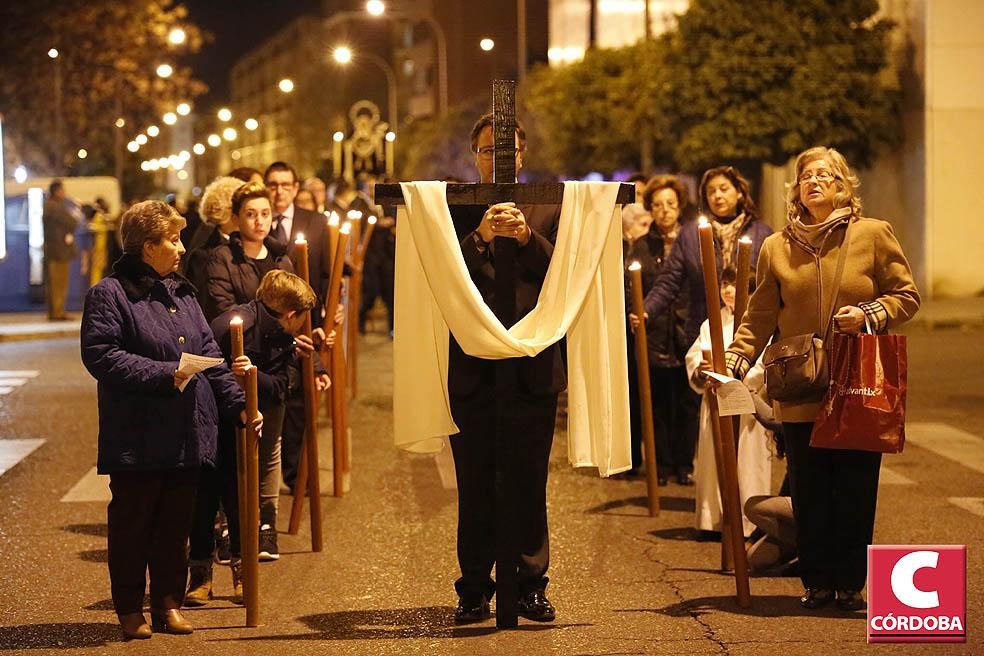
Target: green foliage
[109,53]
[605,113]
[763,80]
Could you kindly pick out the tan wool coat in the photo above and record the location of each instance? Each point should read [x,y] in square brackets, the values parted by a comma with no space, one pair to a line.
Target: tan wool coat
[788,300]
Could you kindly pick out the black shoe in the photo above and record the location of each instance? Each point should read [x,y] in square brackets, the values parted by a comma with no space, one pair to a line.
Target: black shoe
[816,598]
[685,479]
[470,611]
[535,606]
[662,480]
[849,600]
[268,544]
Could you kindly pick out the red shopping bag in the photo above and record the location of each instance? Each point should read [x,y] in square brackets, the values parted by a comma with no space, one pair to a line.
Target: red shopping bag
[864,408]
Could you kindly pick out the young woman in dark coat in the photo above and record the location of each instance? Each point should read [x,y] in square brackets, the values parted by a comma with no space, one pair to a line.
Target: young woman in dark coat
[675,405]
[157,425]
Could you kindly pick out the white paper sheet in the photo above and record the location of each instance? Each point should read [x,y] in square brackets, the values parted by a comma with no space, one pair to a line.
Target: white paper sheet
[192,364]
[732,396]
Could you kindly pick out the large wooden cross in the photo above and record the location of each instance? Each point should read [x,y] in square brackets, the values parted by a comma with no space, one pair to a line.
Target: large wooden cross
[503,188]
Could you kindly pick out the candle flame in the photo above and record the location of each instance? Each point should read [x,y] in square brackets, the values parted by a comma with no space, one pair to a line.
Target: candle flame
[346,229]
[300,239]
[236,321]
[635,266]
[702,221]
[745,240]
[333,219]
[354,215]
[372,220]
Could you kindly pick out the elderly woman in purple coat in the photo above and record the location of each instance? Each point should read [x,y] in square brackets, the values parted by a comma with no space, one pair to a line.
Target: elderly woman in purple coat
[157,425]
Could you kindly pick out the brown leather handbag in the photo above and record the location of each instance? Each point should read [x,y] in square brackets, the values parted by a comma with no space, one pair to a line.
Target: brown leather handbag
[796,368]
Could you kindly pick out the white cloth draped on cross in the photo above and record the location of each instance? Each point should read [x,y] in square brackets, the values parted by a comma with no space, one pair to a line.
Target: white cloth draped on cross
[582,297]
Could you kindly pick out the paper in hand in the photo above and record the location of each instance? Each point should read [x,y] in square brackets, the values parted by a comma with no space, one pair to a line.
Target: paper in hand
[192,364]
[732,396]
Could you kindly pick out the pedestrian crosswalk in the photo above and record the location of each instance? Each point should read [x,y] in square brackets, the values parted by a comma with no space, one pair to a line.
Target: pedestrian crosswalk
[12,379]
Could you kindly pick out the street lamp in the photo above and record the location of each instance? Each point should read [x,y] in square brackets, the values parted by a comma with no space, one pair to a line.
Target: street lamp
[375,7]
[486,44]
[251,124]
[152,131]
[120,122]
[183,109]
[53,53]
[140,139]
[286,85]
[214,140]
[165,71]
[198,149]
[83,153]
[20,174]
[224,115]
[170,118]
[343,55]
[176,36]
[229,134]
[133,146]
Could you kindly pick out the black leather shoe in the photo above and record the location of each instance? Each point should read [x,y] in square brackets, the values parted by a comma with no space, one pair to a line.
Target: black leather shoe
[849,600]
[471,610]
[816,598]
[685,479]
[535,606]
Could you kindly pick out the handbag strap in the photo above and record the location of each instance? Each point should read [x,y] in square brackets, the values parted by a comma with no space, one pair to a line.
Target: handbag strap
[838,274]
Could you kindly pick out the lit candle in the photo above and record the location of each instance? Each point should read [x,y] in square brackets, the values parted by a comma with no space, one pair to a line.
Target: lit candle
[349,165]
[390,156]
[336,157]
[367,236]
[301,257]
[355,219]
[744,271]
[236,335]
[334,221]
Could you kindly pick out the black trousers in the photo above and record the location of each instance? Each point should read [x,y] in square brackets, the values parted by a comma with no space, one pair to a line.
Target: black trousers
[292,437]
[834,495]
[676,410]
[149,519]
[531,419]
[215,485]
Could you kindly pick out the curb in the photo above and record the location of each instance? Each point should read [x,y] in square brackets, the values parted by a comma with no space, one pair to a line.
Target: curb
[6,337]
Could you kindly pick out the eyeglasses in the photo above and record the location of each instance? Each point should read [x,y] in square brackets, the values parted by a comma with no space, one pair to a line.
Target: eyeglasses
[280,185]
[823,177]
[488,151]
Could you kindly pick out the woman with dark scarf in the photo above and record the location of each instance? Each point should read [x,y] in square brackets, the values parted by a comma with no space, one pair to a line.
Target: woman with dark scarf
[727,195]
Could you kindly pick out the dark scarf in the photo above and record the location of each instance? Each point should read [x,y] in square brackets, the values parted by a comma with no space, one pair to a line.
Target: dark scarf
[728,232]
[138,278]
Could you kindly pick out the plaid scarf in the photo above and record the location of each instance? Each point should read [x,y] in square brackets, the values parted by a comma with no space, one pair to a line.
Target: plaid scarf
[728,234]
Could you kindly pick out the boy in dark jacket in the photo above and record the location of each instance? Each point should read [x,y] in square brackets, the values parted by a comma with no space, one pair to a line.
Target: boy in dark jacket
[271,340]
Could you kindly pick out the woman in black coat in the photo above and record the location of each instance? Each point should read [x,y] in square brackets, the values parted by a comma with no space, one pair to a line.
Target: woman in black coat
[157,425]
[675,406]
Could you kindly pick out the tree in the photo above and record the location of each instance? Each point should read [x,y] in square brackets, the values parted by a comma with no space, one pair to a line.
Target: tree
[758,80]
[109,51]
[605,113]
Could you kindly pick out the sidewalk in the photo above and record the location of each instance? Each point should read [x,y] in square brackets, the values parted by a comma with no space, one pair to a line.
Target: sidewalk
[960,313]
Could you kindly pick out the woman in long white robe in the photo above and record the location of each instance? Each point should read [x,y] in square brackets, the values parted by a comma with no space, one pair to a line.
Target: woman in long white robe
[754,452]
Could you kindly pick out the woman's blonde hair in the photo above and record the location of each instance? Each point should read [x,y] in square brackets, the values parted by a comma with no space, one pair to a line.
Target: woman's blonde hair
[150,220]
[847,183]
[216,207]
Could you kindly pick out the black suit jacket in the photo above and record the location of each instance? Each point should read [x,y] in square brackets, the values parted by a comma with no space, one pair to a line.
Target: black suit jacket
[545,373]
[314,227]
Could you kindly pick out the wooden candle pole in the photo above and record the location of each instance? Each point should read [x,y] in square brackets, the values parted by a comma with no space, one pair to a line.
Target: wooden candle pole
[339,425]
[333,223]
[242,446]
[729,493]
[354,301]
[249,533]
[645,391]
[741,284]
[312,462]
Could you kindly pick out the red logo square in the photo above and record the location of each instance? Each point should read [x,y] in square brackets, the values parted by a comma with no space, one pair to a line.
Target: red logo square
[917,593]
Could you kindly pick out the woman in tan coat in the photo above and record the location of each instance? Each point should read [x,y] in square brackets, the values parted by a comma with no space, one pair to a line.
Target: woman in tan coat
[834,491]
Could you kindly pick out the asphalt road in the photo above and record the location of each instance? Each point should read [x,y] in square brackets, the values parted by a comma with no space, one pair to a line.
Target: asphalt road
[623,583]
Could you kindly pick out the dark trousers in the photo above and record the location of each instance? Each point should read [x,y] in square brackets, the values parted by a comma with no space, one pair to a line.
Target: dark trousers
[218,484]
[532,419]
[149,519]
[292,437]
[377,281]
[834,495]
[675,418]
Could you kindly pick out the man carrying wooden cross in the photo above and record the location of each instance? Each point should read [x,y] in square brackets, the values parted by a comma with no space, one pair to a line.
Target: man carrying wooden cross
[532,397]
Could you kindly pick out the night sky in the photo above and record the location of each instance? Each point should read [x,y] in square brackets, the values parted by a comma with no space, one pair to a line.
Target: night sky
[236,27]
